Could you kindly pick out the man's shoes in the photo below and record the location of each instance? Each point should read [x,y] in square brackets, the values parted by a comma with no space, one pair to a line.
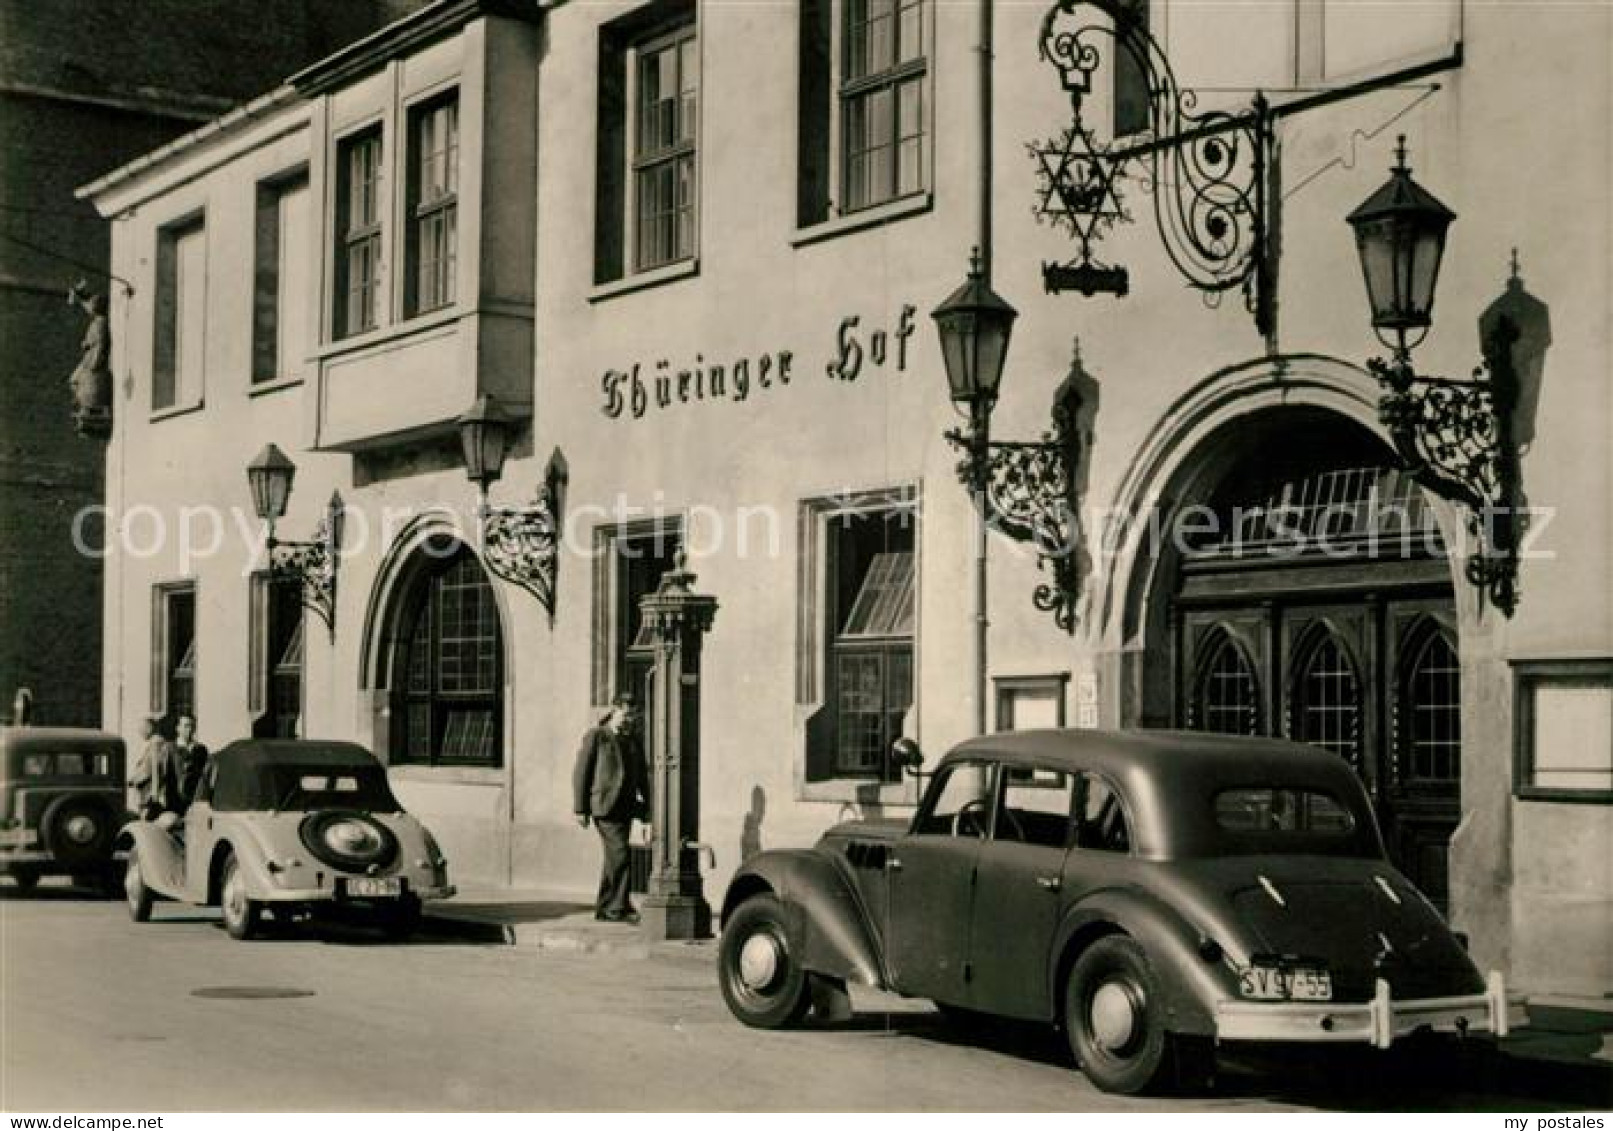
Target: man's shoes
[628,916]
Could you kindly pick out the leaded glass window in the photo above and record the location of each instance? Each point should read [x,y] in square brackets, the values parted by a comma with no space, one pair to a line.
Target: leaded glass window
[1327,707]
[450,681]
[1226,699]
[1431,711]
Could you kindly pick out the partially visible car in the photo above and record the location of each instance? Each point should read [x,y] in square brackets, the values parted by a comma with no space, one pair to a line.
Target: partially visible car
[1151,893]
[62,799]
[290,827]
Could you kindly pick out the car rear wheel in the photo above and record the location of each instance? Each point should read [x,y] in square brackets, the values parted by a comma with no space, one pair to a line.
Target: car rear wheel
[762,980]
[136,894]
[1114,1017]
[242,916]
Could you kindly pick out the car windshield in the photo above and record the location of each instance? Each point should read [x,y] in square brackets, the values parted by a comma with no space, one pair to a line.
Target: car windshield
[293,787]
[1277,810]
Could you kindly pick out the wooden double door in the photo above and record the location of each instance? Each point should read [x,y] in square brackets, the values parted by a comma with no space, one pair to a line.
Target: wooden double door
[1368,670]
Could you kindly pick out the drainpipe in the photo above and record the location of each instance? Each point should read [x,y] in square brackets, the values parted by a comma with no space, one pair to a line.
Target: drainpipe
[982,423]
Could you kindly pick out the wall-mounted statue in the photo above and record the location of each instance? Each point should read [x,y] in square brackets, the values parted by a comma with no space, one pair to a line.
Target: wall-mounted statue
[91,381]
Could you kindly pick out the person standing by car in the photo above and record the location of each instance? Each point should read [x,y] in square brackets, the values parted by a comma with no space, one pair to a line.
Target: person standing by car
[611,789]
[143,774]
[192,757]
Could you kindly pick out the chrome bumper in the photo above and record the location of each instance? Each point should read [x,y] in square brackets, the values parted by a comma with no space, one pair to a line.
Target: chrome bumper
[1379,1022]
[329,895]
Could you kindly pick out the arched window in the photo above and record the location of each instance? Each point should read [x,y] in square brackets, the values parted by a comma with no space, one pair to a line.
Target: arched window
[1327,701]
[447,685]
[1226,695]
[1430,708]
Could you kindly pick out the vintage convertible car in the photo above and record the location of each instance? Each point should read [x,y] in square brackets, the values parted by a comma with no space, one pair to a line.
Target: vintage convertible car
[292,826]
[1151,892]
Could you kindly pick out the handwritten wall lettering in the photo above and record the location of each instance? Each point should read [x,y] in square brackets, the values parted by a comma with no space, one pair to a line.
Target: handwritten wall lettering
[634,392]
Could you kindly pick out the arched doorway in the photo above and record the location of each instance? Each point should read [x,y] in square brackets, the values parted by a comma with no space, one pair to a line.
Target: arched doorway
[1309,596]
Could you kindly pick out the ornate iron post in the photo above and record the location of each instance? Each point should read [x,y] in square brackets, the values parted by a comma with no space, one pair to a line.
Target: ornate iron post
[677,619]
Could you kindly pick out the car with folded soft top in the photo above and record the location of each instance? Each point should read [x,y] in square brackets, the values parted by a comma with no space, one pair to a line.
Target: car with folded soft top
[1152,893]
[288,827]
[62,800]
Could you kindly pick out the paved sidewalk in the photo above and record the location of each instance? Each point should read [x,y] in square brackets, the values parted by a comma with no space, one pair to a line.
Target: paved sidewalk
[1566,1050]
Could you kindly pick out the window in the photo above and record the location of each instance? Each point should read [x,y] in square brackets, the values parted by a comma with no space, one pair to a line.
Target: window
[1431,697]
[1131,105]
[647,164]
[1102,826]
[1564,730]
[857,631]
[433,204]
[1037,805]
[181,335]
[275,663]
[960,802]
[173,649]
[358,223]
[629,562]
[871,624]
[1269,809]
[864,127]
[447,685]
[1226,699]
[280,279]
[1327,701]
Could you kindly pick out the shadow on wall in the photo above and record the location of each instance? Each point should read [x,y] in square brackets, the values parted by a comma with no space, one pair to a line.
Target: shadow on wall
[750,837]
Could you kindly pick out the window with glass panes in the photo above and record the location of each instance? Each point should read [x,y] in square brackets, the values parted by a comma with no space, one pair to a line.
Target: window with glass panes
[873,617]
[359,223]
[1227,698]
[449,681]
[173,639]
[1327,701]
[882,101]
[1431,711]
[433,203]
[667,85]
[285,658]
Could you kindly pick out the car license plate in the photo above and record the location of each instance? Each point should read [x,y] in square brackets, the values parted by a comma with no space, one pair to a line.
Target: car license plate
[370,887]
[1292,983]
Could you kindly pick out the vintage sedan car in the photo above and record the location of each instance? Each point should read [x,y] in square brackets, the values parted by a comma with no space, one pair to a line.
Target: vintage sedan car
[292,827]
[61,802]
[1150,892]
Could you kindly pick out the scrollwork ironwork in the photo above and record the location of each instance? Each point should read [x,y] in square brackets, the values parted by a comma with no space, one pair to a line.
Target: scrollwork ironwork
[1205,170]
[522,544]
[313,564]
[1456,438]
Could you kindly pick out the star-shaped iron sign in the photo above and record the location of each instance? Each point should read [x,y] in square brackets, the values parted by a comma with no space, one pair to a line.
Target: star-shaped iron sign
[1076,190]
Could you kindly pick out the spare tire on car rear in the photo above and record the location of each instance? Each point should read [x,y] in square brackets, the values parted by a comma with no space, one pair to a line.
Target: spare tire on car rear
[349,840]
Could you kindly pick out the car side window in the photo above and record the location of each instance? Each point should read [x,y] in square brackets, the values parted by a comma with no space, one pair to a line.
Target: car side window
[1036,806]
[1102,826]
[960,802]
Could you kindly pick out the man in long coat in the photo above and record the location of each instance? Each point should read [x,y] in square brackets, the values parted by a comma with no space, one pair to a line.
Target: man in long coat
[611,788]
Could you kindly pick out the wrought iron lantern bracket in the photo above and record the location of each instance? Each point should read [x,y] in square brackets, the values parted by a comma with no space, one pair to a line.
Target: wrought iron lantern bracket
[522,544]
[1029,493]
[1205,170]
[1456,438]
[313,564]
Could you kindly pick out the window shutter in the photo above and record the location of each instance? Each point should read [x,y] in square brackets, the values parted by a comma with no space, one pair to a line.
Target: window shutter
[815,105]
[610,202]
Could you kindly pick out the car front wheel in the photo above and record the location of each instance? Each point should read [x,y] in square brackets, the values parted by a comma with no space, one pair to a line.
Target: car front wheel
[762,980]
[241,914]
[135,892]
[1114,1017]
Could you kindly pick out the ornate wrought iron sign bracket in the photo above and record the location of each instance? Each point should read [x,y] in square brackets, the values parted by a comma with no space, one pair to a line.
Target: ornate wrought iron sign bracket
[1205,171]
[313,563]
[1029,488]
[1456,437]
[522,544]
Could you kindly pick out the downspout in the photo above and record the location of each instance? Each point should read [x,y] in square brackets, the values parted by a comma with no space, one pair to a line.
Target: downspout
[981,423]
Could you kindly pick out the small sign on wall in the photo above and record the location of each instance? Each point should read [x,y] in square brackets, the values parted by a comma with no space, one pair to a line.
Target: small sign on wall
[1086,700]
[1563,733]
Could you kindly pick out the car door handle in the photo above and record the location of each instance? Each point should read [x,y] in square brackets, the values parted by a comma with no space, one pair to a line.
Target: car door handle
[1050,883]
[893,864]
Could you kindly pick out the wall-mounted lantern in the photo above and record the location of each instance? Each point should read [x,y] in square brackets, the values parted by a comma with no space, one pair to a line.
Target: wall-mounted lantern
[313,563]
[519,544]
[1454,436]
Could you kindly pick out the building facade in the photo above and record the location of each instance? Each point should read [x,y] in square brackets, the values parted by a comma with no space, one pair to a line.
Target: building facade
[76,101]
[693,249]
